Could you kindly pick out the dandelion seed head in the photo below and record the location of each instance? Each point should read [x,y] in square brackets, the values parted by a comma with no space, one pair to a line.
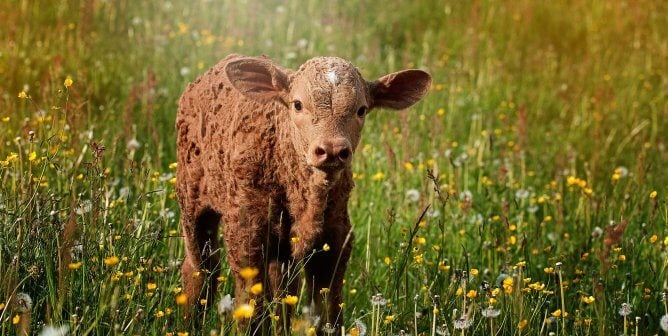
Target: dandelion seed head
[55,330]
[413,195]
[626,309]
[225,304]
[664,322]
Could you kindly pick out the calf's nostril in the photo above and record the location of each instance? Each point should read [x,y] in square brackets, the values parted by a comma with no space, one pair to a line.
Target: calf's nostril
[344,154]
[319,151]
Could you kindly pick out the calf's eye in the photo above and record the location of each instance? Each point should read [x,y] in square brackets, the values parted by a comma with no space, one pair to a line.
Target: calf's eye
[361,112]
[298,105]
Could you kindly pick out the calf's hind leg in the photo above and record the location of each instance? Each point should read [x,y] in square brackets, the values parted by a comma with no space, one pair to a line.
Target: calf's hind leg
[202,261]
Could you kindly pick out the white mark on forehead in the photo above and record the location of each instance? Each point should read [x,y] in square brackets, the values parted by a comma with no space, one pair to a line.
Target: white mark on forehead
[332,77]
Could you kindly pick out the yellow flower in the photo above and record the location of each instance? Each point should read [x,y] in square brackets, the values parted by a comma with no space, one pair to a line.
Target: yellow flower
[389,319]
[325,247]
[588,299]
[111,261]
[160,313]
[459,291]
[249,272]
[291,300]
[435,311]
[311,331]
[68,82]
[324,290]
[74,265]
[177,290]
[256,289]
[440,112]
[294,240]
[653,239]
[2,306]
[408,166]
[508,285]
[5,119]
[244,311]
[16,319]
[378,176]
[181,299]
[151,286]
[621,258]
[387,260]
[23,95]
[653,194]
[556,313]
[203,302]
[472,294]
[420,240]
[522,324]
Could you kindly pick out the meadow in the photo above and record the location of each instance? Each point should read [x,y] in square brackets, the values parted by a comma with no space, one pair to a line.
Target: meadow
[525,195]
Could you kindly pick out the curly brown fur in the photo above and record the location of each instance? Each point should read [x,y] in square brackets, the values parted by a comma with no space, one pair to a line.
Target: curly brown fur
[268,151]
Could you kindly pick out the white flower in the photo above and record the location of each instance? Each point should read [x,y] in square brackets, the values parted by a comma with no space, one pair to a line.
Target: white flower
[133,145]
[55,331]
[378,300]
[226,304]
[622,171]
[521,194]
[462,323]
[664,322]
[302,43]
[22,302]
[360,326]
[491,312]
[443,330]
[596,232]
[625,309]
[413,195]
[466,196]
[84,207]
[185,71]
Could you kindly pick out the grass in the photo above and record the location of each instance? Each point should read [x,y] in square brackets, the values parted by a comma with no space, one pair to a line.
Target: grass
[536,164]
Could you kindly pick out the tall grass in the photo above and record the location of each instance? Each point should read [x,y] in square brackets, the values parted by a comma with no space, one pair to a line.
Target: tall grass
[525,195]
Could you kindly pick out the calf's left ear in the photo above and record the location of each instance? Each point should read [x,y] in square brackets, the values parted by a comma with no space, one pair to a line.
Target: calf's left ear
[258,78]
[400,90]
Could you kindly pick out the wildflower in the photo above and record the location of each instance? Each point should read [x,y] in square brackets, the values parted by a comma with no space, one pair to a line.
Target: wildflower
[203,302]
[378,300]
[2,306]
[249,272]
[181,299]
[521,194]
[653,239]
[522,324]
[443,330]
[491,312]
[111,261]
[378,176]
[74,265]
[244,311]
[472,294]
[22,303]
[291,300]
[32,156]
[508,285]
[55,331]
[664,322]
[133,145]
[466,196]
[325,247]
[225,304]
[151,286]
[256,289]
[23,95]
[588,299]
[389,319]
[653,194]
[625,309]
[311,331]
[358,329]
[68,82]
[387,260]
[462,323]
[596,232]
[16,319]
[413,195]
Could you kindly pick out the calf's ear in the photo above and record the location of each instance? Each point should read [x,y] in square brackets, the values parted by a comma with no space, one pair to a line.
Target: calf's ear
[400,90]
[258,78]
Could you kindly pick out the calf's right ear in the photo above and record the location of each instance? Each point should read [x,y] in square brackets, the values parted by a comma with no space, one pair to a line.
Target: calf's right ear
[258,79]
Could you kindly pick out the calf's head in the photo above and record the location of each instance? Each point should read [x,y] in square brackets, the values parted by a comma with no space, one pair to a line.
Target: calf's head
[327,101]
